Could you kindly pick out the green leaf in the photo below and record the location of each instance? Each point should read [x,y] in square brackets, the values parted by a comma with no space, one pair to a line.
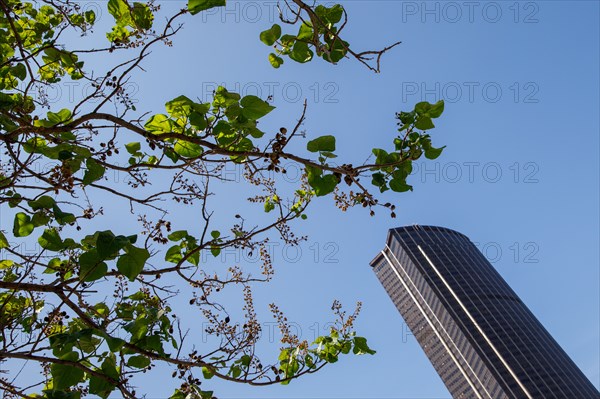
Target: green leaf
[322,185]
[15,200]
[224,98]
[269,206]
[194,258]
[346,347]
[159,124]
[179,107]
[94,171]
[173,254]
[109,368]
[114,344]
[430,110]
[142,16]
[323,143]
[361,347]
[54,265]
[43,202]
[328,154]
[65,376]
[64,155]
[51,240]
[245,360]
[133,148]
[378,179]
[422,108]
[22,226]
[430,152]
[119,33]
[139,362]
[195,6]
[337,50]
[255,108]
[56,394]
[87,342]
[424,123]
[275,60]
[91,266]
[6,263]
[207,373]
[329,15]
[271,35]
[178,395]
[406,118]
[233,111]
[287,41]
[90,16]
[215,234]
[172,155]
[151,343]
[306,32]
[100,386]
[120,11]
[132,262]
[301,53]
[399,185]
[198,119]
[183,107]
[102,309]
[35,144]
[436,109]
[62,116]
[3,241]
[255,132]
[62,217]
[206,394]
[178,235]
[235,371]
[187,149]
[403,170]
[433,153]
[19,71]
[108,244]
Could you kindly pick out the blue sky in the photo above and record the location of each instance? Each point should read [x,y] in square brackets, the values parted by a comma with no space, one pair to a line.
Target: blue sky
[519,176]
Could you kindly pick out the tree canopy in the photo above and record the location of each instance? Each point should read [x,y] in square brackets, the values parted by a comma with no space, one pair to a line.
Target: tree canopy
[95,306]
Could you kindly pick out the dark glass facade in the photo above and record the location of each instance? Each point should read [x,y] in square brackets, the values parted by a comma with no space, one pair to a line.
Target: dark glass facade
[480,337]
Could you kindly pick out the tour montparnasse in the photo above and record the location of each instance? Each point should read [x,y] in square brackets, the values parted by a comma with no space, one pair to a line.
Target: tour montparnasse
[478,334]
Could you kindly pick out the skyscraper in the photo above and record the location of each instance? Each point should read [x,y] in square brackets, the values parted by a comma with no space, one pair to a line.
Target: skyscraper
[480,337]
